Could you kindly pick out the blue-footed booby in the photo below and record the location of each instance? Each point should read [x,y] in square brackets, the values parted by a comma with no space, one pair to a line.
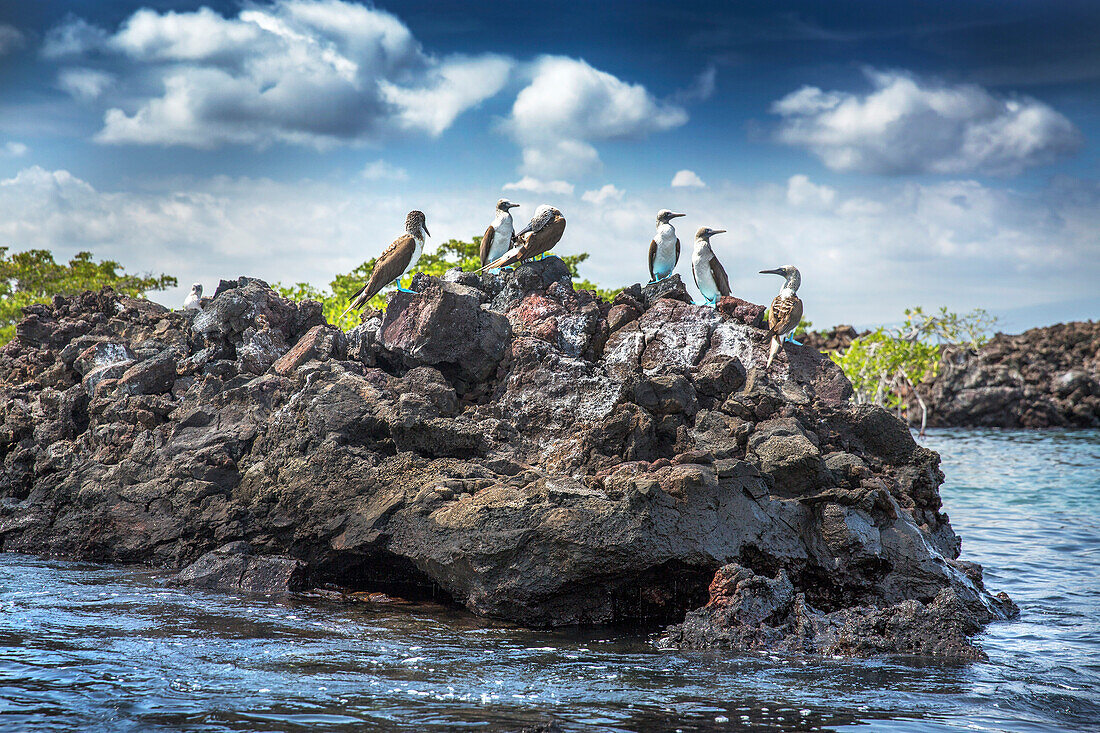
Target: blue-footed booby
[664,249]
[193,301]
[710,276]
[786,310]
[500,235]
[398,259]
[538,237]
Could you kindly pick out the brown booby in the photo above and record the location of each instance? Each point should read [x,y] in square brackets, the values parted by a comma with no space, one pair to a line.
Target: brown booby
[538,237]
[193,301]
[786,310]
[500,235]
[398,259]
[710,276]
[664,248]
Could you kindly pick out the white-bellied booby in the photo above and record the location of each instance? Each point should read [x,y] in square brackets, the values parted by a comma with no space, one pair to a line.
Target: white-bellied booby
[500,235]
[193,301]
[398,259]
[538,237]
[786,310]
[710,276]
[664,249]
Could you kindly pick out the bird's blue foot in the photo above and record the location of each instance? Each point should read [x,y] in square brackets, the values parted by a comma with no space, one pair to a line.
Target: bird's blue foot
[406,290]
[791,339]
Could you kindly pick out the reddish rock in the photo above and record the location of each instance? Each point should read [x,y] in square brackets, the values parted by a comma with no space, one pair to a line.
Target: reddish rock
[620,315]
[318,343]
[743,311]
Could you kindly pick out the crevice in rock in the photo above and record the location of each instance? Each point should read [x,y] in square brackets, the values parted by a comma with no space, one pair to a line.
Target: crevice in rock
[662,595]
[382,573]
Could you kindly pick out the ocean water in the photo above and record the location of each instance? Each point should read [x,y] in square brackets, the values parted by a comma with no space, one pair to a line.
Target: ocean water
[97,648]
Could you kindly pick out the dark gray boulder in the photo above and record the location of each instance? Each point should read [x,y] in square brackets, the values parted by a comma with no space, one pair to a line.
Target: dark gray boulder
[233,567]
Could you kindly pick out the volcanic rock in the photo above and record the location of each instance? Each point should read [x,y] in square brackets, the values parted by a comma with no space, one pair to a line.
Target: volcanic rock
[1042,378]
[490,442]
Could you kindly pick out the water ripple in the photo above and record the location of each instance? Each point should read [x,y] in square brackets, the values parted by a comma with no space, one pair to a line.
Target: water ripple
[93,648]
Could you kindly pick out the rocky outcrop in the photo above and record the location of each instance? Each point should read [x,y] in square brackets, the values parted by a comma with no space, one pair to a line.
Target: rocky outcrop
[502,442]
[1042,378]
[233,567]
[838,338]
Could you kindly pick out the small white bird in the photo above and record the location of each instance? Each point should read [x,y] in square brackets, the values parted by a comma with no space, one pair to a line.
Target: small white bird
[710,276]
[500,235]
[786,310]
[193,301]
[664,249]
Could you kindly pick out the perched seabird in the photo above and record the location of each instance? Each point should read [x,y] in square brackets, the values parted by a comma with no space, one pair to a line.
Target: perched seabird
[500,235]
[786,311]
[710,276]
[193,301]
[398,259]
[538,237]
[664,249]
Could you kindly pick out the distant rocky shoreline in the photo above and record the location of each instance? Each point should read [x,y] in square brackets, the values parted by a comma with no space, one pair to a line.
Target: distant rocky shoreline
[504,443]
[1042,378]
[1045,377]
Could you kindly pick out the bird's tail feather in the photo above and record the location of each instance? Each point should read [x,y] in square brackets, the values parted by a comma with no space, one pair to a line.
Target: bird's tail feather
[357,301]
[773,350]
[499,262]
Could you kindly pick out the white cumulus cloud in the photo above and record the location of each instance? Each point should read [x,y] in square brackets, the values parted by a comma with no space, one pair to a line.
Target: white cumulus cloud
[380,170]
[314,72]
[908,125]
[602,195]
[687,179]
[537,185]
[569,105]
[14,149]
[84,84]
[801,191]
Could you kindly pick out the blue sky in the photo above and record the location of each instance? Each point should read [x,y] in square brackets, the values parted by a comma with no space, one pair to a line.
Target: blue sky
[898,153]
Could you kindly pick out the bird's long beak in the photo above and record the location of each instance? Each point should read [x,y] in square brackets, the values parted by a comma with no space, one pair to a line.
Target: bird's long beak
[673,216]
[512,206]
[524,231]
[717,231]
[772,272]
[425,228]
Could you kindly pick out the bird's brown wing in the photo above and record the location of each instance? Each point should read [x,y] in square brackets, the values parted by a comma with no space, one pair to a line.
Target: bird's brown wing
[652,256]
[721,281]
[677,252]
[785,314]
[487,244]
[543,240]
[387,268]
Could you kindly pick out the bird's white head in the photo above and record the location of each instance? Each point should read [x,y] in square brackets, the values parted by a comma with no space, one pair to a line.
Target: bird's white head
[505,204]
[197,288]
[664,216]
[792,277]
[415,224]
[703,235]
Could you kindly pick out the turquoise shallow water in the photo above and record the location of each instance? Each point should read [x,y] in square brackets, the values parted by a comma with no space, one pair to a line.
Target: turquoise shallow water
[88,647]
